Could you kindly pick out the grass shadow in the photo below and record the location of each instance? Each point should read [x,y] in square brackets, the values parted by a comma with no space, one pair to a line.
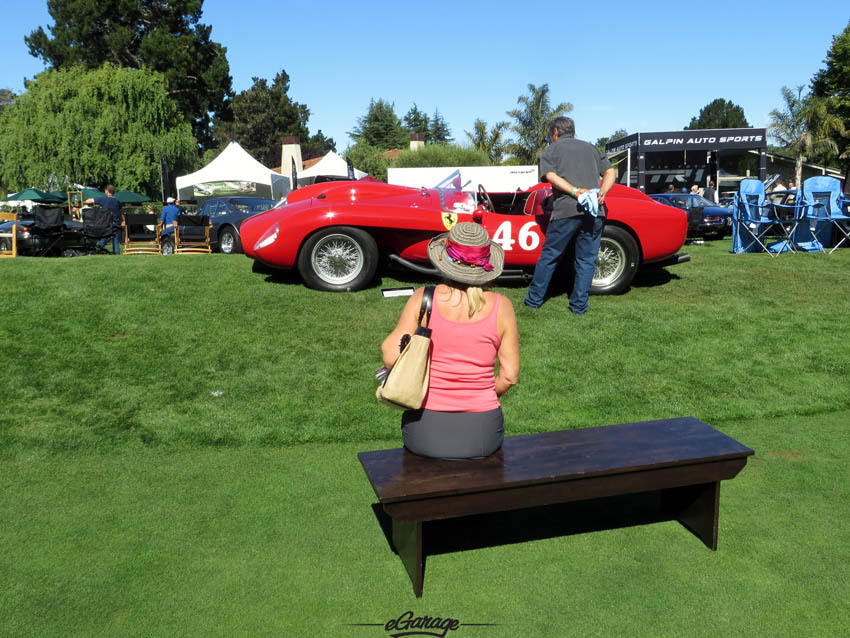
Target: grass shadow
[535,523]
[651,277]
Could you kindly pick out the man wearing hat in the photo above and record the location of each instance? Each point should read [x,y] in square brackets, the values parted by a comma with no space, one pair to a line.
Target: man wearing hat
[169,216]
[573,168]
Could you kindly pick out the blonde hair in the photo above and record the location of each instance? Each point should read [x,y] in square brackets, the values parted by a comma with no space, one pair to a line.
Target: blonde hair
[475,298]
[474,294]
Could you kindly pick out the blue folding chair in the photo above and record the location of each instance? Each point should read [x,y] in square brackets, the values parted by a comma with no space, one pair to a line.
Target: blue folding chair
[822,207]
[751,221]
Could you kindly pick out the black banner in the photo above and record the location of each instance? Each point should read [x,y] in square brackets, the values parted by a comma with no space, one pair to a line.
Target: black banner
[722,139]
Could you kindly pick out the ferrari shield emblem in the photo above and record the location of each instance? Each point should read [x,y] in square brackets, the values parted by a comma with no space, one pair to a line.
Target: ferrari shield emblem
[449,220]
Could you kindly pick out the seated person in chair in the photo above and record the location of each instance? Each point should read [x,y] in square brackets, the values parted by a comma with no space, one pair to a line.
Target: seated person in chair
[110,203]
[169,215]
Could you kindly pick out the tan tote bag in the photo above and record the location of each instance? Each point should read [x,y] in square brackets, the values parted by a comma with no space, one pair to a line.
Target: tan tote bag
[406,384]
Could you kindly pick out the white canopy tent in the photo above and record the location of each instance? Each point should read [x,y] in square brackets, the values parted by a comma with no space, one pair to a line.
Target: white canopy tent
[332,165]
[233,172]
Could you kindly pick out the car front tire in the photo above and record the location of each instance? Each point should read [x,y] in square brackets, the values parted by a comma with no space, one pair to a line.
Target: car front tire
[338,259]
[228,241]
[616,263]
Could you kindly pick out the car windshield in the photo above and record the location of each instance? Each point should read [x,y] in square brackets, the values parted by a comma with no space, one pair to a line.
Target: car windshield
[455,201]
[699,200]
[252,204]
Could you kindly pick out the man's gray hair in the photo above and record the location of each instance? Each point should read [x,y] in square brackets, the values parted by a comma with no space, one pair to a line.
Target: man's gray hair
[564,125]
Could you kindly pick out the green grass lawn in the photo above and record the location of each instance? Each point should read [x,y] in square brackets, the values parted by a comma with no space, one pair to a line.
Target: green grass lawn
[179,435]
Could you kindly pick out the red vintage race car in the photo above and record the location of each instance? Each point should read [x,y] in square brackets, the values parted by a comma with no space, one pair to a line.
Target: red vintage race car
[337,233]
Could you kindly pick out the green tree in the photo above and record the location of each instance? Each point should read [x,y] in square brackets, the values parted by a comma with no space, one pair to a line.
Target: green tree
[165,36]
[6,97]
[491,141]
[108,125]
[719,113]
[602,141]
[370,159]
[262,115]
[832,83]
[438,130]
[531,123]
[803,125]
[441,155]
[380,128]
[318,145]
[417,121]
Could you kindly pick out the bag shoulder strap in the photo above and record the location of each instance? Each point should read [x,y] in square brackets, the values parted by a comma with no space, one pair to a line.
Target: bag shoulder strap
[426,305]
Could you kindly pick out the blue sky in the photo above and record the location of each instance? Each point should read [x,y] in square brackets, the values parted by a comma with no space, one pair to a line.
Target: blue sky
[647,66]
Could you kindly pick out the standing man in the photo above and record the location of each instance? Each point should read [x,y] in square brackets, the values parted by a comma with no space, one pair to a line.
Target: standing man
[710,193]
[110,203]
[572,167]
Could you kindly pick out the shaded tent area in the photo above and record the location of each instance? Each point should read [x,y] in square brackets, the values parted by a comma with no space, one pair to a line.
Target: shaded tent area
[233,172]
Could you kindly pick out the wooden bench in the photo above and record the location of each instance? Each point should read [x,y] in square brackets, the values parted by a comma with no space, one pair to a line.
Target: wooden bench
[683,459]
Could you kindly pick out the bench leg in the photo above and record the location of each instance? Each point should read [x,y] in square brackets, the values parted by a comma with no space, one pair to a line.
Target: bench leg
[697,507]
[407,539]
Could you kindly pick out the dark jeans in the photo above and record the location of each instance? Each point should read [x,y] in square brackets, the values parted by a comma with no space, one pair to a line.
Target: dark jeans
[558,236]
[116,244]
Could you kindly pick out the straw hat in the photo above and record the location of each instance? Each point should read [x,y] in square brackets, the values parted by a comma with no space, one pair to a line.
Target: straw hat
[463,236]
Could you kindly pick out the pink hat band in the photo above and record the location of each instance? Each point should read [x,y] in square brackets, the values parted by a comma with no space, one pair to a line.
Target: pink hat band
[470,255]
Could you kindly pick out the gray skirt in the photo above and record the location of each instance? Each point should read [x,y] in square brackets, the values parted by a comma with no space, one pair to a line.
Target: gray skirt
[453,435]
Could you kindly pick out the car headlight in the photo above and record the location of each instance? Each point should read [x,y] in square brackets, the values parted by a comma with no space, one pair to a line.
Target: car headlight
[267,238]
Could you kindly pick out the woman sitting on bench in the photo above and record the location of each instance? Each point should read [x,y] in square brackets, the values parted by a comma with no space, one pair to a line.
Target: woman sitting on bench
[470,329]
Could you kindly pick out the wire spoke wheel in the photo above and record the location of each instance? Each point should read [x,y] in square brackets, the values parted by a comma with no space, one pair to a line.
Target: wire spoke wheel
[616,262]
[610,262]
[337,259]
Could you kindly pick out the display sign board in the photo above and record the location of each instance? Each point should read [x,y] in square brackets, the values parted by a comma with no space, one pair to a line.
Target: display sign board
[220,189]
[722,139]
[496,179]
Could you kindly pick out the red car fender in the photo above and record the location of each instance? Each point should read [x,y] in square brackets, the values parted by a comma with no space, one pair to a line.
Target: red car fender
[659,233]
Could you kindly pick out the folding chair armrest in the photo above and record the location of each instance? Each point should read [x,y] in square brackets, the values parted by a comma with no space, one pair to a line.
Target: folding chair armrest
[793,207]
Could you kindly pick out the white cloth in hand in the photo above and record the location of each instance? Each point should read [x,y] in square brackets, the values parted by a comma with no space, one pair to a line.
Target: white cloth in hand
[589,199]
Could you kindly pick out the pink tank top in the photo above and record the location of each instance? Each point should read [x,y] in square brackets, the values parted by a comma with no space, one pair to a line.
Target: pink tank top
[462,359]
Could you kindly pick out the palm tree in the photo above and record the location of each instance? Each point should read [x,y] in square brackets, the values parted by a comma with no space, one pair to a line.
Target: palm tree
[532,123]
[491,142]
[803,125]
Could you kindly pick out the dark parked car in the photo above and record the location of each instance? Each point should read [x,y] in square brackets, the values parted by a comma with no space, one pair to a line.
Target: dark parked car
[60,240]
[716,220]
[226,216]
